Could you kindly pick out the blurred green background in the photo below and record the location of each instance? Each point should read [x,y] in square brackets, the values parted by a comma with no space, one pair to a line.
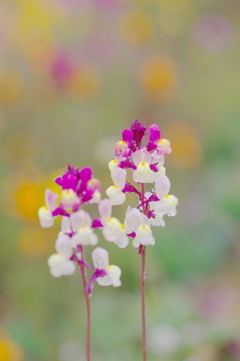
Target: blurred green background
[73,75]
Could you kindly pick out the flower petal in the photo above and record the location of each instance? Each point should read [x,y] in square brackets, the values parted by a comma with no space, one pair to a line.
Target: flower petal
[45,217]
[116,196]
[80,219]
[105,210]
[100,258]
[132,220]
[66,225]
[162,186]
[114,273]
[51,199]
[119,177]
[63,246]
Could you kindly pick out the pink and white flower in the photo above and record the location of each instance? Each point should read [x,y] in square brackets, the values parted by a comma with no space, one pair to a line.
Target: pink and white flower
[101,262]
[45,213]
[59,262]
[113,230]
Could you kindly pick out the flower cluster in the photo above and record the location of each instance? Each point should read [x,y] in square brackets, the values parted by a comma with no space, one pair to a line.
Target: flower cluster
[146,166]
[78,187]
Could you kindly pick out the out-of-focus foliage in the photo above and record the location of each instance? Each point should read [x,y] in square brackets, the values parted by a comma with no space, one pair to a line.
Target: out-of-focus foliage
[73,74]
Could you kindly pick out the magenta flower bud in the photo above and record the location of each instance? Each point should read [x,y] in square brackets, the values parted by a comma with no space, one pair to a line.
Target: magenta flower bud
[154,137]
[67,181]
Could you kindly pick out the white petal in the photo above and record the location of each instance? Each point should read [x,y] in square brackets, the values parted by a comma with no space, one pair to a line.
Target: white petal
[111,229]
[141,156]
[114,273]
[116,196]
[105,210]
[66,225]
[85,236]
[119,177]
[143,236]
[69,198]
[164,147]
[63,246]
[113,165]
[100,258]
[114,231]
[132,220]
[59,265]
[55,262]
[145,221]
[162,186]
[157,221]
[80,219]
[51,199]
[122,241]
[144,174]
[157,158]
[45,217]
[68,268]
[104,281]
[167,205]
[96,197]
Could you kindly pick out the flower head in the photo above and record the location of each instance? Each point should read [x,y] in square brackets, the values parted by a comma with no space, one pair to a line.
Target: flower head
[146,166]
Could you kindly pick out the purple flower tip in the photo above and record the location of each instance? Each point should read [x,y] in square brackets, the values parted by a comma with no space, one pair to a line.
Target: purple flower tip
[96,223]
[154,137]
[138,131]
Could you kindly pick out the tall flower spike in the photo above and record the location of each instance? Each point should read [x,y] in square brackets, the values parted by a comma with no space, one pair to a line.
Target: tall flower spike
[146,166]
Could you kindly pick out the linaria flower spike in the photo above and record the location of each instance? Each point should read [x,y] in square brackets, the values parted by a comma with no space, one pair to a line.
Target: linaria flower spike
[146,166]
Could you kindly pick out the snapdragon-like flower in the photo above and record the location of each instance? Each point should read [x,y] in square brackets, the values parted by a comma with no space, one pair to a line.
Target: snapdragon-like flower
[146,164]
[84,235]
[45,214]
[59,262]
[138,223]
[112,273]
[113,230]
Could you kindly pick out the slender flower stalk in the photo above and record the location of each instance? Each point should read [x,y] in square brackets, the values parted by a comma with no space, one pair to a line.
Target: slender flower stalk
[146,166]
[143,276]
[88,306]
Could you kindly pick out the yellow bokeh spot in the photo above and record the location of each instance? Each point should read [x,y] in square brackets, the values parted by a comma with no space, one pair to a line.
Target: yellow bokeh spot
[143,164]
[28,197]
[10,351]
[187,151]
[84,84]
[143,227]
[33,242]
[36,20]
[158,78]
[109,219]
[109,267]
[11,87]
[136,28]
[122,226]
[115,161]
